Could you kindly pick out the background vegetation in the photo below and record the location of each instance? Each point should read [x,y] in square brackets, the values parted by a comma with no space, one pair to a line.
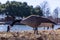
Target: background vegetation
[14,8]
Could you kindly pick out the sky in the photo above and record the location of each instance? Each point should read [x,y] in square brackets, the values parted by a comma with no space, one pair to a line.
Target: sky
[51,3]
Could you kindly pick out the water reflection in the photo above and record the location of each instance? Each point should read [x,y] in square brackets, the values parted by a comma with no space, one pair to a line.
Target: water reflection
[23,28]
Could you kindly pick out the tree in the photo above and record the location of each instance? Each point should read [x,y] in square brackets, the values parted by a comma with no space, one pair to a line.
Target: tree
[37,11]
[14,8]
[18,9]
[45,8]
[56,12]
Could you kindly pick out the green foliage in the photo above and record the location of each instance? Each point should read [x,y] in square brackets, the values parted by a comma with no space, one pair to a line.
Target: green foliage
[19,9]
[37,11]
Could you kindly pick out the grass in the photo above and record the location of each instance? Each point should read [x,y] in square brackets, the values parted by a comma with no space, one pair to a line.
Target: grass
[29,35]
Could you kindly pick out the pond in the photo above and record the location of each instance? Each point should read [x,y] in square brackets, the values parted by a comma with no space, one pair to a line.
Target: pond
[23,28]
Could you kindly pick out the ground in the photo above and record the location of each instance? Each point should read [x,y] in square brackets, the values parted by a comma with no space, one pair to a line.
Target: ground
[29,35]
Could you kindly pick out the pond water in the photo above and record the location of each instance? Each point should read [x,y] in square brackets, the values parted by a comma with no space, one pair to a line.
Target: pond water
[23,28]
